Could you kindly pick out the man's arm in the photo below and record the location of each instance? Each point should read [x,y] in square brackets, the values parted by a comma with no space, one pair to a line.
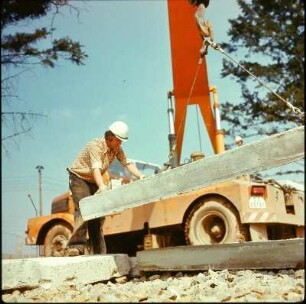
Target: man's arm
[134,171]
[101,180]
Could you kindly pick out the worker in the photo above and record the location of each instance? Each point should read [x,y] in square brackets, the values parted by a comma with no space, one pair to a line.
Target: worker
[204,26]
[239,140]
[199,2]
[88,175]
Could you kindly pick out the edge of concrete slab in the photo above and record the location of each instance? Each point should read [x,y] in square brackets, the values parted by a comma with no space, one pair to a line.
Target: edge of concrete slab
[55,271]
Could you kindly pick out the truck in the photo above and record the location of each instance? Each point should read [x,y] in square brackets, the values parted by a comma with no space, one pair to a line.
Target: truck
[246,208]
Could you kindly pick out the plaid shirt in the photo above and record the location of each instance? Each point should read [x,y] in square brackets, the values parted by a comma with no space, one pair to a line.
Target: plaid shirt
[95,154]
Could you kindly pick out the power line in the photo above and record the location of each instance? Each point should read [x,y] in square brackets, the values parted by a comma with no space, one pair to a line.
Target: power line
[11,233]
[18,177]
[13,216]
[18,187]
[26,178]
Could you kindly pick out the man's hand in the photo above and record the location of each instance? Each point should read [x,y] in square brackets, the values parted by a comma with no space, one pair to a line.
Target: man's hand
[142,176]
[101,189]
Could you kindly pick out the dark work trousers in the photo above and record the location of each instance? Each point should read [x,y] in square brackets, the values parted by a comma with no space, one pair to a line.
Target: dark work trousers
[80,189]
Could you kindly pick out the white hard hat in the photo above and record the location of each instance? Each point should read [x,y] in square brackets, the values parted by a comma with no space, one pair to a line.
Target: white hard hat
[238,138]
[120,130]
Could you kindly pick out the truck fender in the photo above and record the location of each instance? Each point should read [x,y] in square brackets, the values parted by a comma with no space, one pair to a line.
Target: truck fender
[67,221]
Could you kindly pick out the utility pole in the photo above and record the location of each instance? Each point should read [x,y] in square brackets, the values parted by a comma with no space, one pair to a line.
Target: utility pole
[39,168]
[19,247]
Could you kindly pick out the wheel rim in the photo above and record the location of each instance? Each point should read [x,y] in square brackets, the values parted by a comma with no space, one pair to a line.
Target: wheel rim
[212,228]
[58,246]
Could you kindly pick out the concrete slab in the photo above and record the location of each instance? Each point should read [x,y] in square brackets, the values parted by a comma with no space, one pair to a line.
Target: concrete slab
[266,153]
[134,271]
[280,254]
[55,271]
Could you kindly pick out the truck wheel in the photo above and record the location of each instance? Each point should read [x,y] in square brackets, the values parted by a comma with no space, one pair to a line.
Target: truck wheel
[56,240]
[213,221]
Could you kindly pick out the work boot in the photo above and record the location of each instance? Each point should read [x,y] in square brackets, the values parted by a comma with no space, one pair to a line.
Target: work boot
[74,252]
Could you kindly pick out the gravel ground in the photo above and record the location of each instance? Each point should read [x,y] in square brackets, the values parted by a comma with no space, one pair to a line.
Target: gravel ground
[208,286]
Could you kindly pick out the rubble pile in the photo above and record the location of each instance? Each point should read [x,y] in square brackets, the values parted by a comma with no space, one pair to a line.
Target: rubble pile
[208,286]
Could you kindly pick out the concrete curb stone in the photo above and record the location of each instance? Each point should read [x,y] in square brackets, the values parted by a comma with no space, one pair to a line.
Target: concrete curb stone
[55,271]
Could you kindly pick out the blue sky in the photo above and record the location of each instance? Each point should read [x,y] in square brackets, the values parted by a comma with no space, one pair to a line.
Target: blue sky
[126,77]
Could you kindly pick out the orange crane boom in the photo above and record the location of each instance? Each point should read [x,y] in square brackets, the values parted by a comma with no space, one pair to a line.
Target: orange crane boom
[185,53]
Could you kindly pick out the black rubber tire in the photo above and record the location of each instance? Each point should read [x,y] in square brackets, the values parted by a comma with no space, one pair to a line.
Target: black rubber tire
[56,240]
[213,221]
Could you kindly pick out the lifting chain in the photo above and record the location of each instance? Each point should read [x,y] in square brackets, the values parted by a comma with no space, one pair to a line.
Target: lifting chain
[207,42]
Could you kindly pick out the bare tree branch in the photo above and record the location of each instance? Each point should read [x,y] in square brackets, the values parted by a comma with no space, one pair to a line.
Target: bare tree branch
[23,113]
[22,51]
[16,134]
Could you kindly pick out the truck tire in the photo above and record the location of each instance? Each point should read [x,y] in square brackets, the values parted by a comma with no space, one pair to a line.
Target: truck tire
[213,221]
[56,240]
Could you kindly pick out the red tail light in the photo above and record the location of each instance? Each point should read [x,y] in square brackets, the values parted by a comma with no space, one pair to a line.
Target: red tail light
[258,190]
